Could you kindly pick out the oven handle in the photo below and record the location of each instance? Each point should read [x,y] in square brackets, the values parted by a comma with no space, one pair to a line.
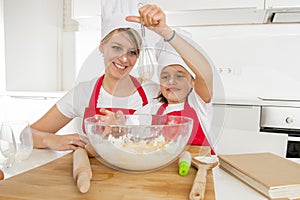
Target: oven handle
[290,132]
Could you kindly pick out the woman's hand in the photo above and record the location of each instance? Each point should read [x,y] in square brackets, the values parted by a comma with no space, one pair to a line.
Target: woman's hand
[58,142]
[66,142]
[153,17]
[43,132]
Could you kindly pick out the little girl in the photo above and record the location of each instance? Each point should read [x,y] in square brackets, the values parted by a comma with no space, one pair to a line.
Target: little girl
[181,93]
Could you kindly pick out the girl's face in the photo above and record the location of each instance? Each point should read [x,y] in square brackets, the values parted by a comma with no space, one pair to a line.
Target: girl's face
[119,55]
[175,83]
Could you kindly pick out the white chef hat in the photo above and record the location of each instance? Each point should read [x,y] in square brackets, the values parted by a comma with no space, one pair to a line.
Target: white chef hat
[113,13]
[167,55]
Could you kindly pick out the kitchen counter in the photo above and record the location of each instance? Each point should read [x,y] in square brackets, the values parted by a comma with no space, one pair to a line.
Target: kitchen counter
[53,180]
[38,158]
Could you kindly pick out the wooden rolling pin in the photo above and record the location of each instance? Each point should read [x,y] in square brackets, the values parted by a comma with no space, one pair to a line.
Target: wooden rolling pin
[90,150]
[82,172]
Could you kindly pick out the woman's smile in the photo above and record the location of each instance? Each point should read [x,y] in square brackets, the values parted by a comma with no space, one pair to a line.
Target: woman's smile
[122,67]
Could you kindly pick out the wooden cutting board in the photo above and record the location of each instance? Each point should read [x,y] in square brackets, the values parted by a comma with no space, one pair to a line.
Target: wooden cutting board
[54,181]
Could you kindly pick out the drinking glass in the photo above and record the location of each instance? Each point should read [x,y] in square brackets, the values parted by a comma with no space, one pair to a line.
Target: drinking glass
[23,138]
[7,145]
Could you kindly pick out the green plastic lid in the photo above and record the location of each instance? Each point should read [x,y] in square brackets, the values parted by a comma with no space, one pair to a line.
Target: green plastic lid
[184,168]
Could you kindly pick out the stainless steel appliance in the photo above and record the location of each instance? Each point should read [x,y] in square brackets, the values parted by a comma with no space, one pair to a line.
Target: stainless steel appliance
[283,120]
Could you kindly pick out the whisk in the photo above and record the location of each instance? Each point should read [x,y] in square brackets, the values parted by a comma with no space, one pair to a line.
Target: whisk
[147,59]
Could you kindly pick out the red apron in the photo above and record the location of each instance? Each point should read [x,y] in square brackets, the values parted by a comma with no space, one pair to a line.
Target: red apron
[188,111]
[93,110]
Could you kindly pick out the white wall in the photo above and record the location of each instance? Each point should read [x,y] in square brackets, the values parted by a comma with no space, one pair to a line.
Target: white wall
[2,56]
[22,108]
[263,59]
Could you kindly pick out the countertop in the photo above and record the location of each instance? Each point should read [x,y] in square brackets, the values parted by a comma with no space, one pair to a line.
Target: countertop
[38,158]
[51,178]
[54,181]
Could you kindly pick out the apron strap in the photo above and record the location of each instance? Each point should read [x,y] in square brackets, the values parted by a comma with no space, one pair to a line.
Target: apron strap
[140,90]
[162,109]
[94,97]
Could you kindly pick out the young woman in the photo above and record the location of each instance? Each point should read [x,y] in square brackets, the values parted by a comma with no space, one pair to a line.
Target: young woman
[115,89]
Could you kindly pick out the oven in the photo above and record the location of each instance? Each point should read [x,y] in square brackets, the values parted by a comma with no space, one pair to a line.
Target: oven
[283,120]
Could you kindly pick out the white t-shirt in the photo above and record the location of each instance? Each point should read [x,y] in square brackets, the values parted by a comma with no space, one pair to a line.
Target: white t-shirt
[73,103]
[202,109]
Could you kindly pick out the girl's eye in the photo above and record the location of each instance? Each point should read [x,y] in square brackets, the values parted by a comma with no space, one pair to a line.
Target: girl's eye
[180,76]
[132,53]
[164,77]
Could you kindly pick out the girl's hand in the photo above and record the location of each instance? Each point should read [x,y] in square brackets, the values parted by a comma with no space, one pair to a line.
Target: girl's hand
[152,17]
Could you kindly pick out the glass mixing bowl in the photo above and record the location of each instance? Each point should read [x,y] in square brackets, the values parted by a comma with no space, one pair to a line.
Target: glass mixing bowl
[139,143]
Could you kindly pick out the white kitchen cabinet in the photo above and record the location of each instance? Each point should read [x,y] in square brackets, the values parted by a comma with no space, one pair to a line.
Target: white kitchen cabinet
[237,131]
[33,31]
[282,4]
[86,8]
[227,119]
[178,5]
[198,12]
[282,11]
[242,117]
[212,12]
[86,14]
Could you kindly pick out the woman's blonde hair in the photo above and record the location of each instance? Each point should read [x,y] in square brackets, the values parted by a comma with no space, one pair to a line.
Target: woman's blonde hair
[133,35]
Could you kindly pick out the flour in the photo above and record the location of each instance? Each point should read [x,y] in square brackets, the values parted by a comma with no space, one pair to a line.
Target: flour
[128,153]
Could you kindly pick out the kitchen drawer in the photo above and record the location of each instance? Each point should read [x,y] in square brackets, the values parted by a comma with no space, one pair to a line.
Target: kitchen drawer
[242,117]
[228,118]
[280,117]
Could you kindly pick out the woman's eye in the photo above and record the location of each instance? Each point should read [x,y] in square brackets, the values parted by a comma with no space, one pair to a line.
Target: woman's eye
[132,53]
[117,48]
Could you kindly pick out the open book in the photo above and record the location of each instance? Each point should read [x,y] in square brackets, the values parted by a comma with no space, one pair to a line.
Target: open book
[269,174]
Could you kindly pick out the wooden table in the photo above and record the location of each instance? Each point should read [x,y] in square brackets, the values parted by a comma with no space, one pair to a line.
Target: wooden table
[54,181]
